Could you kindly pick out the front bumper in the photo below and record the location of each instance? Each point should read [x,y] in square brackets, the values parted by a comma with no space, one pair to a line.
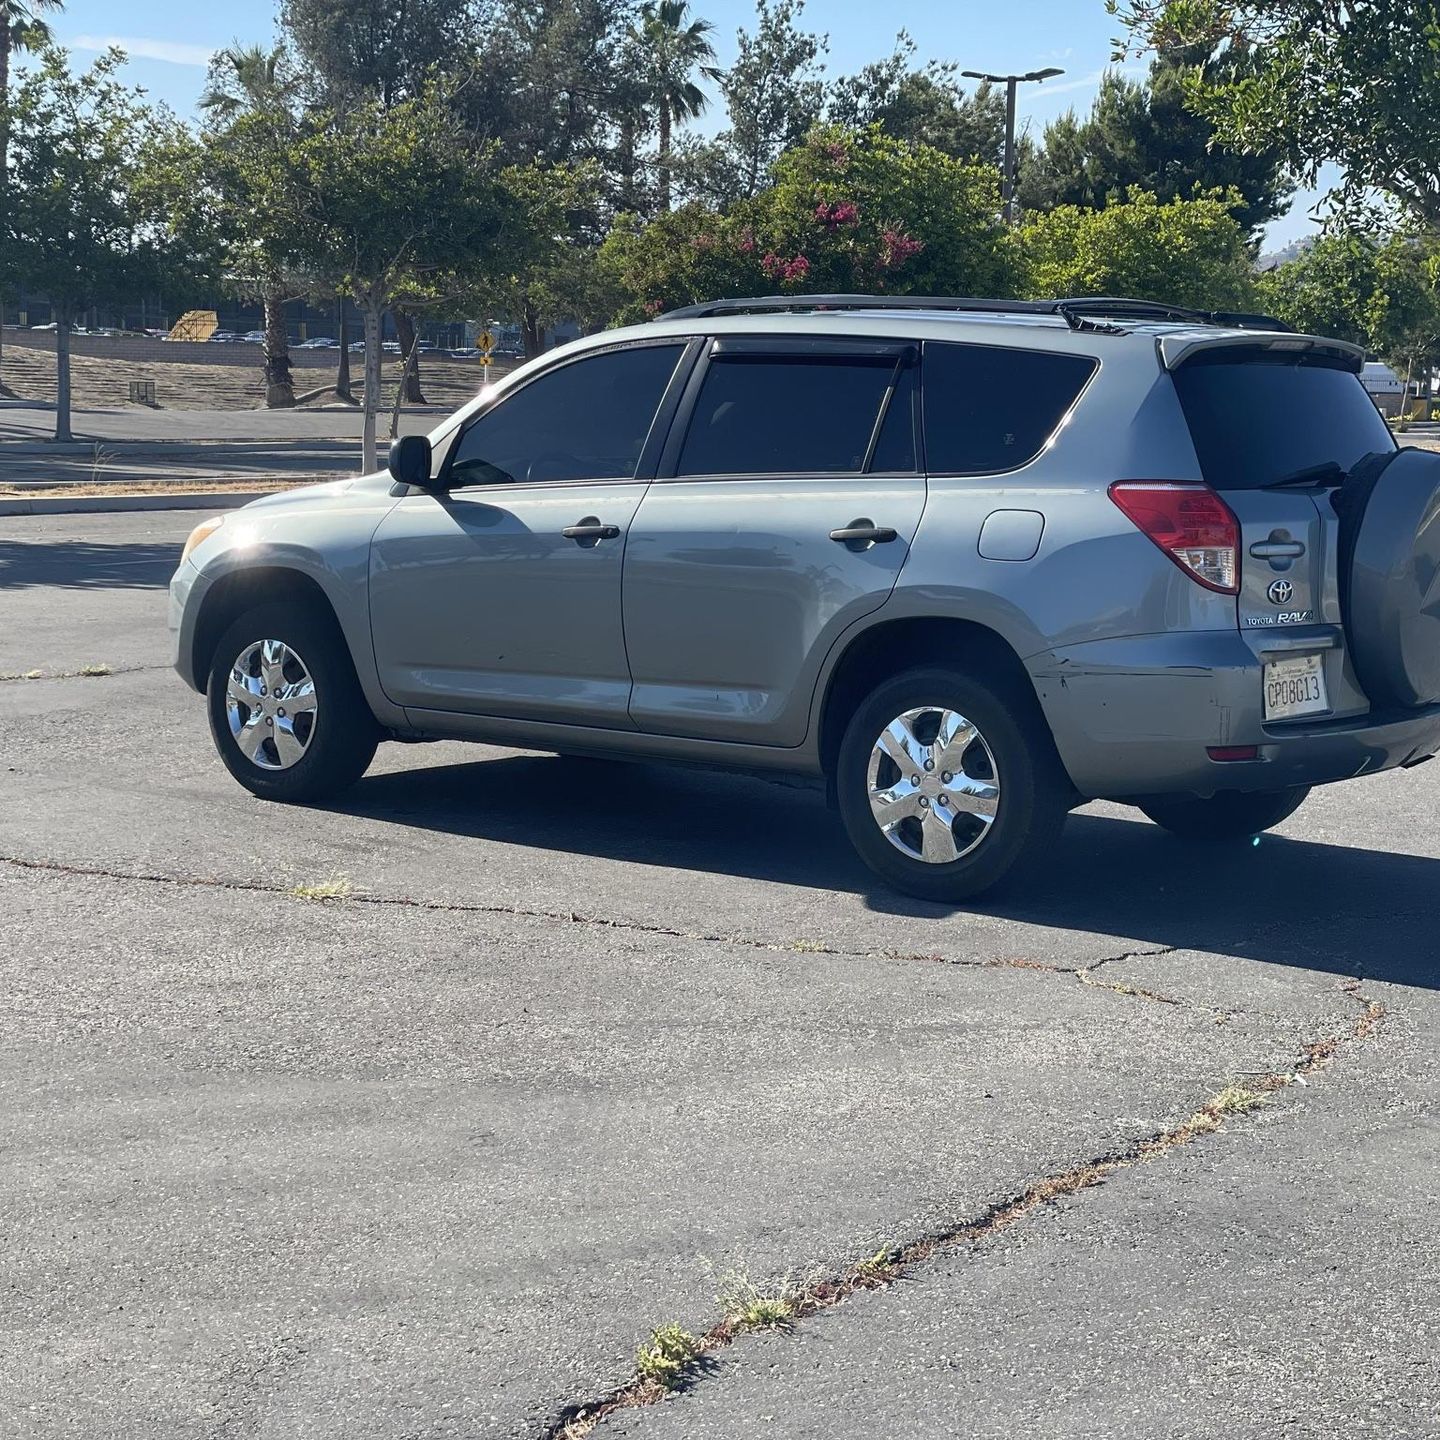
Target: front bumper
[1135,716]
[182,611]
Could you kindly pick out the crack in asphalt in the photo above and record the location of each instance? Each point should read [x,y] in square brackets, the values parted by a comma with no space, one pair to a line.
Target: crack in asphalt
[1083,974]
[880,1271]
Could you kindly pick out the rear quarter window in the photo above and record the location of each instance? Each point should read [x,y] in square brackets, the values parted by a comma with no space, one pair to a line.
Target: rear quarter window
[1258,416]
[990,409]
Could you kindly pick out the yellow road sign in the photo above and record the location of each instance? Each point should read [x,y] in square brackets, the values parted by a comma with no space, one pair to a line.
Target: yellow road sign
[485,341]
[487,359]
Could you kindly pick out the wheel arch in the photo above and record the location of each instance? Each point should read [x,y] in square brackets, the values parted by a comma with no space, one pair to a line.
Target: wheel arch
[904,643]
[237,591]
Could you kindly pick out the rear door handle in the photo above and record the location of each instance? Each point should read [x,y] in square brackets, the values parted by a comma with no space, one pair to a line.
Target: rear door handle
[1277,549]
[862,534]
[590,531]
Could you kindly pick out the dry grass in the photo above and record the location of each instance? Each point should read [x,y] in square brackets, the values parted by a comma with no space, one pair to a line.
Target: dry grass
[153,487]
[337,887]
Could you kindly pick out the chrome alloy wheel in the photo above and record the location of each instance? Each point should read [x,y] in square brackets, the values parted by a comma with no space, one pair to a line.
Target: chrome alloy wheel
[933,784]
[270,702]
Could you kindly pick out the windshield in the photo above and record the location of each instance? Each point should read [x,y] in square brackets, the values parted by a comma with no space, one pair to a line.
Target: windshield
[1257,417]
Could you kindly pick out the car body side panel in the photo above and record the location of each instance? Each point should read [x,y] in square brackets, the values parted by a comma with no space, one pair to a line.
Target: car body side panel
[735,592]
[321,532]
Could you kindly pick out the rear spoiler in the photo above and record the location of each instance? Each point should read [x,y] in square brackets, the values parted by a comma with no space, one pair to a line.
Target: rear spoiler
[1176,350]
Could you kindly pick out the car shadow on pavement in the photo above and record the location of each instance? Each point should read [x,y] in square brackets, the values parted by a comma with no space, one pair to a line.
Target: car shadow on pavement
[1355,912]
[87,565]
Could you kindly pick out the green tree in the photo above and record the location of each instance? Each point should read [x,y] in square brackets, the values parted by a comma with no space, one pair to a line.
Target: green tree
[1356,83]
[397,203]
[1149,135]
[22,27]
[774,93]
[254,82]
[1377,293]
[1327,289]
[381,49]
[848,211]
[1189,252]
[924,105]
[542,274]
[672,47]
[89,225]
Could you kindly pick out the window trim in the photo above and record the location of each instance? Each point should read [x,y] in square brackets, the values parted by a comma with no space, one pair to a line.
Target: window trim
[1060,424]
[650,452]
[739,349]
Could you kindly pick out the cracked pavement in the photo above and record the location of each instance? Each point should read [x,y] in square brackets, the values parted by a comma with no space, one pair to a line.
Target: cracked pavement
[431,1159]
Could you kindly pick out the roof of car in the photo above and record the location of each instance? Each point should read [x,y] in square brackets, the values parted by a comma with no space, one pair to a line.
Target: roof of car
[1081,324]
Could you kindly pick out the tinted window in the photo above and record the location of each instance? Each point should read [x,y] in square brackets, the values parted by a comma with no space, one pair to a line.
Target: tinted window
[588,420]
[1255,419]
[895,449]
[768,416]
[992,409]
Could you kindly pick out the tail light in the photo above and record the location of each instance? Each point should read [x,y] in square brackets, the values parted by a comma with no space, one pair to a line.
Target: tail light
[1190,523]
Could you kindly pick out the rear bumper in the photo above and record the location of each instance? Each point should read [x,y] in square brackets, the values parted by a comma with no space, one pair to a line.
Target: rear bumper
[1135,716]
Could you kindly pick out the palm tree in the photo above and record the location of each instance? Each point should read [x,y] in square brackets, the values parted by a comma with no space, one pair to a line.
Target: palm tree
[244,78]
[241,79]
[672,47]
[21,28]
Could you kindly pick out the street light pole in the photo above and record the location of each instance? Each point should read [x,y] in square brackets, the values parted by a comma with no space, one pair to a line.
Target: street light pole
[1007,188]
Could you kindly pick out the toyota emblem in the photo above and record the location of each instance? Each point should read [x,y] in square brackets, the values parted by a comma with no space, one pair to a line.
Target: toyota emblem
[1280,592]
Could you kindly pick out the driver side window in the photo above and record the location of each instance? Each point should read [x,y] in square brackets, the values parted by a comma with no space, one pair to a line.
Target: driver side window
[585,420]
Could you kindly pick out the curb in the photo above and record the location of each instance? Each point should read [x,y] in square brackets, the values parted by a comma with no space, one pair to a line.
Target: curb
[108,504]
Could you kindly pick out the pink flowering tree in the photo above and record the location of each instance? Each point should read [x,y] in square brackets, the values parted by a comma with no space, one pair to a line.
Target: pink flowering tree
[849,211]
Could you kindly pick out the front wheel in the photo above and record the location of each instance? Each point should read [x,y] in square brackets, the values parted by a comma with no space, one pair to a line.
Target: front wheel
[946,784]
[1228,816]
[287,713]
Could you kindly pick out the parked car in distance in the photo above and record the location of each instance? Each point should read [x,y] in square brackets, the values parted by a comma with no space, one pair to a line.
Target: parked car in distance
[464,353]
[318,342]
[224,337]
[972,562]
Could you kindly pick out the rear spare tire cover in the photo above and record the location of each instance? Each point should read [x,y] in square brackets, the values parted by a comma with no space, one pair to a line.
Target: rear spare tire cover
[1389,555]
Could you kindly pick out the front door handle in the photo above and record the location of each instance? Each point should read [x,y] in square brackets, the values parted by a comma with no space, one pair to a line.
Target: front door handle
[862,534]
[590,531]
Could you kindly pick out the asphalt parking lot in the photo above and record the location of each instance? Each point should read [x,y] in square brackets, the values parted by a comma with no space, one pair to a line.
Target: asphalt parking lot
[413,1115]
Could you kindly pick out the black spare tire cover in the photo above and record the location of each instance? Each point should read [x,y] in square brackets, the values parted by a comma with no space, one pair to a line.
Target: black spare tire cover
[1389,554]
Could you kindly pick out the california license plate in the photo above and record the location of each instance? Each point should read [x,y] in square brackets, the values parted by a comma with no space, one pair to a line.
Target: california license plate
[1295,686]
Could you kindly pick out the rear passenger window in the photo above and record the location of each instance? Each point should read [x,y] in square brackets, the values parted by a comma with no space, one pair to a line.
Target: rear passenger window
[989,409]
[771,415]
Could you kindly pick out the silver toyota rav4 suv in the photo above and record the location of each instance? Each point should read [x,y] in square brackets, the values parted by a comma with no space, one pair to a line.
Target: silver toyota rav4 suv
[973,562]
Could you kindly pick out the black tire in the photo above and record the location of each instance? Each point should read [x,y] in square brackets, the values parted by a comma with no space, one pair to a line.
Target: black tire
[1228,816]
[340,741]
[1034,794]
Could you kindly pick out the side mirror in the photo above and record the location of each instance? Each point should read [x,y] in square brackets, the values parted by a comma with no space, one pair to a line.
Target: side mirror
[410,461]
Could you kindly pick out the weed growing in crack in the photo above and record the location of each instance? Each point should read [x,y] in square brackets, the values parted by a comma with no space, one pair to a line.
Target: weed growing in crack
[1237,1100]
[337,887]
[748,1306]
[662,1359]
[93,672]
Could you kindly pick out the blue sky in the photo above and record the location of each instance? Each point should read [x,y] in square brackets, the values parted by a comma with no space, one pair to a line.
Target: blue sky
[168,42]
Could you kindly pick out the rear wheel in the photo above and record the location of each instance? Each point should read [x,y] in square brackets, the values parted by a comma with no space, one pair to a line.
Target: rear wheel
[1231,816]
[945,785]
[286,711]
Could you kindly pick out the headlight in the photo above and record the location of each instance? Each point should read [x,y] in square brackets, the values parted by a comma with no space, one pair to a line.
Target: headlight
[203,531]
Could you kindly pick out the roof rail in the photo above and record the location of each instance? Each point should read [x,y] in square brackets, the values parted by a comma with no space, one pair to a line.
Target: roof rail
[767,304]
[1083,312]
